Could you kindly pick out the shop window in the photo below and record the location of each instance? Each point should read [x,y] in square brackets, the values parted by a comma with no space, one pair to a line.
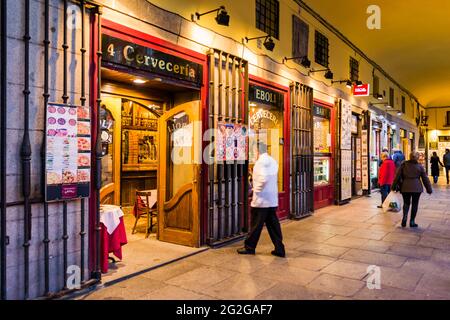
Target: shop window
[300,38]
[107,134]
[266,124]
[321,49]
[354,69]
[322,145]
[268,16]
[403,105]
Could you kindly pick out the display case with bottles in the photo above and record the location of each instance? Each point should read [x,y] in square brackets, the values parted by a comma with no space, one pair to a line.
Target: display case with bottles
[321,171]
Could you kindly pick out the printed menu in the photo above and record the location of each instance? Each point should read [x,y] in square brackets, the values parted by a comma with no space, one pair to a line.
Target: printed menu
[231,142]
[68,152]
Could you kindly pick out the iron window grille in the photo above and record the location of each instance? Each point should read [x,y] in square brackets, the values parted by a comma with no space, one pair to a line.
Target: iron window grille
[268,17]
[391,97]
[321,49]
[447,118]
[354,69]
[376,85]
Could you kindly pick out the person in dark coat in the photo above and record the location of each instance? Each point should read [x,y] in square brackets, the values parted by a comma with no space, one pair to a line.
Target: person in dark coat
[408,181]
[446,161]
[386,176]
[435,162]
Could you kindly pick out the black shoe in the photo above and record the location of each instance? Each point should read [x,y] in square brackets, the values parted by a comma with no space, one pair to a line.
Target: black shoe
[245,251]
[278,254]
[403,223]
[379,207]
[412,224]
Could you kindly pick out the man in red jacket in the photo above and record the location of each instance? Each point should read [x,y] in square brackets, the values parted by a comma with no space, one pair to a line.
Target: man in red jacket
[386,176]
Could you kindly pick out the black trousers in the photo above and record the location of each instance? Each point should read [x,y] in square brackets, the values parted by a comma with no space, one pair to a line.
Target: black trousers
[447,170]
[407,196]
[269,217]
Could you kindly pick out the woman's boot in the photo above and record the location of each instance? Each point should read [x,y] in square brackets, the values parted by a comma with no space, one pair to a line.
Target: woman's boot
[405,218]
[412,223]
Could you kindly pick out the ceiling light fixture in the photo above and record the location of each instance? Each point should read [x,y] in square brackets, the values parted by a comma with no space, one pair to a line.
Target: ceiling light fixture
[222,17]
[304,60]
[268,42]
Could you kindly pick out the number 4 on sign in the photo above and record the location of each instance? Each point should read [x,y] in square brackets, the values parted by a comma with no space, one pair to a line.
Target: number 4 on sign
[374,20]
[111,50]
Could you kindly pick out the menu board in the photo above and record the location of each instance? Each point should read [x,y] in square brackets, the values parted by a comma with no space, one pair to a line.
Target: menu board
[364,160]
[68,152]
[346,174]
[346,125]
[231,142]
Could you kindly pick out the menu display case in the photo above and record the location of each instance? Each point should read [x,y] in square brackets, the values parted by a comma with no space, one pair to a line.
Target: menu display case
[321,171]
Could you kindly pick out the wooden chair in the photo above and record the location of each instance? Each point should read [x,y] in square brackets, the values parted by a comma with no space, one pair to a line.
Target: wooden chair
[141,208]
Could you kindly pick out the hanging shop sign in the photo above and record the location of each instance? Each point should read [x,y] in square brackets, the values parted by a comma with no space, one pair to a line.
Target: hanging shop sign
[68,152]
[362,90]
[125,53]
[266,96]
[231,142]
[346,125]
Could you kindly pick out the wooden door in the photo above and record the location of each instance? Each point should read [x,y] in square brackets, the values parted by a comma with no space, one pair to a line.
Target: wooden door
[111,129]
[179,175]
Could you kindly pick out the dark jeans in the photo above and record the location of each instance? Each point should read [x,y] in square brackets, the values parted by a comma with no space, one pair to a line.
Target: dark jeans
[447,170]
[435,179]
[407,196]
[269,217]
[384,190]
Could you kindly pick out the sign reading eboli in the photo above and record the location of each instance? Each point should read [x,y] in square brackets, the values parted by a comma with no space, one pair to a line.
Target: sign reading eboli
[136,56]
[266,96]
[361,90]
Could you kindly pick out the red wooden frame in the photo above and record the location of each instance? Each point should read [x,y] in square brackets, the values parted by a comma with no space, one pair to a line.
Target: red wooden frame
[283,197]
[330,188]
[138,37]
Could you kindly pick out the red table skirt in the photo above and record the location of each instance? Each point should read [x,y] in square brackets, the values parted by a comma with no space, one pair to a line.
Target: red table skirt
[112,243]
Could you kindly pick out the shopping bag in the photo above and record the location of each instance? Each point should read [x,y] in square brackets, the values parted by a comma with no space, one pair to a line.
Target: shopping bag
[393,202]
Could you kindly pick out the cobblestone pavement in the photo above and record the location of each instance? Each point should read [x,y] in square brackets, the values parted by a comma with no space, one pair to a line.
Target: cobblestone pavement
[327,258]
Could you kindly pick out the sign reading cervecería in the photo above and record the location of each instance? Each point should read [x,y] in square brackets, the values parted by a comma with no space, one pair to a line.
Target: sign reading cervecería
[136,56]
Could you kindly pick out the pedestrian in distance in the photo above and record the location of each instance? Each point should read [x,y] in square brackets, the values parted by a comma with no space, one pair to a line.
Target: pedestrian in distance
[409,180]
[398,158]
[386,176]
[264,203]
[435,162]
[447,163]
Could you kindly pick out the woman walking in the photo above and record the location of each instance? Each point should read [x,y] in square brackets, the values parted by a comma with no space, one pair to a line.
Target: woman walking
[435,162]
[408,182]
[386,176]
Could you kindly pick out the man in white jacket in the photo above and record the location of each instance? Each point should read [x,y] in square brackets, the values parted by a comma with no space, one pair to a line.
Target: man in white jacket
[264,204]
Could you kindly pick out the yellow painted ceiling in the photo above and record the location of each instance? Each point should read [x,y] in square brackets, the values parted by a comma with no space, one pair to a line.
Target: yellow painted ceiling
[413,44]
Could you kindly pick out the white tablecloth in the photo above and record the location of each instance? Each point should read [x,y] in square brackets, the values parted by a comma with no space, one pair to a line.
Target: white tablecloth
[110,216]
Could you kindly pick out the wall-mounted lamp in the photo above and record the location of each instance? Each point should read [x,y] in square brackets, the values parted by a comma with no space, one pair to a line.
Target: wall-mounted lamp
[268,42]
[304,60]
[358,83]
[328,73]
[222,17]
[348,83]
[379,96]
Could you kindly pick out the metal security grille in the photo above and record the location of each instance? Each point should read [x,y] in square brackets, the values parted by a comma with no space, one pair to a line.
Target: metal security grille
[227,181]
[268,17]
[48,229]
[321,49]
[302,151]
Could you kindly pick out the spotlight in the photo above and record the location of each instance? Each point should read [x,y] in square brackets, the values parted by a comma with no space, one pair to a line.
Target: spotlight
[358,83]
[399,113]
[222,17]
[268,42]
[139,81]
[304,60]
[329,75]
[379,96]
[348,84]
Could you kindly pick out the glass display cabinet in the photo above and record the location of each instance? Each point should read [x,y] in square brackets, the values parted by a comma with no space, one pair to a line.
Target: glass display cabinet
[321,171]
